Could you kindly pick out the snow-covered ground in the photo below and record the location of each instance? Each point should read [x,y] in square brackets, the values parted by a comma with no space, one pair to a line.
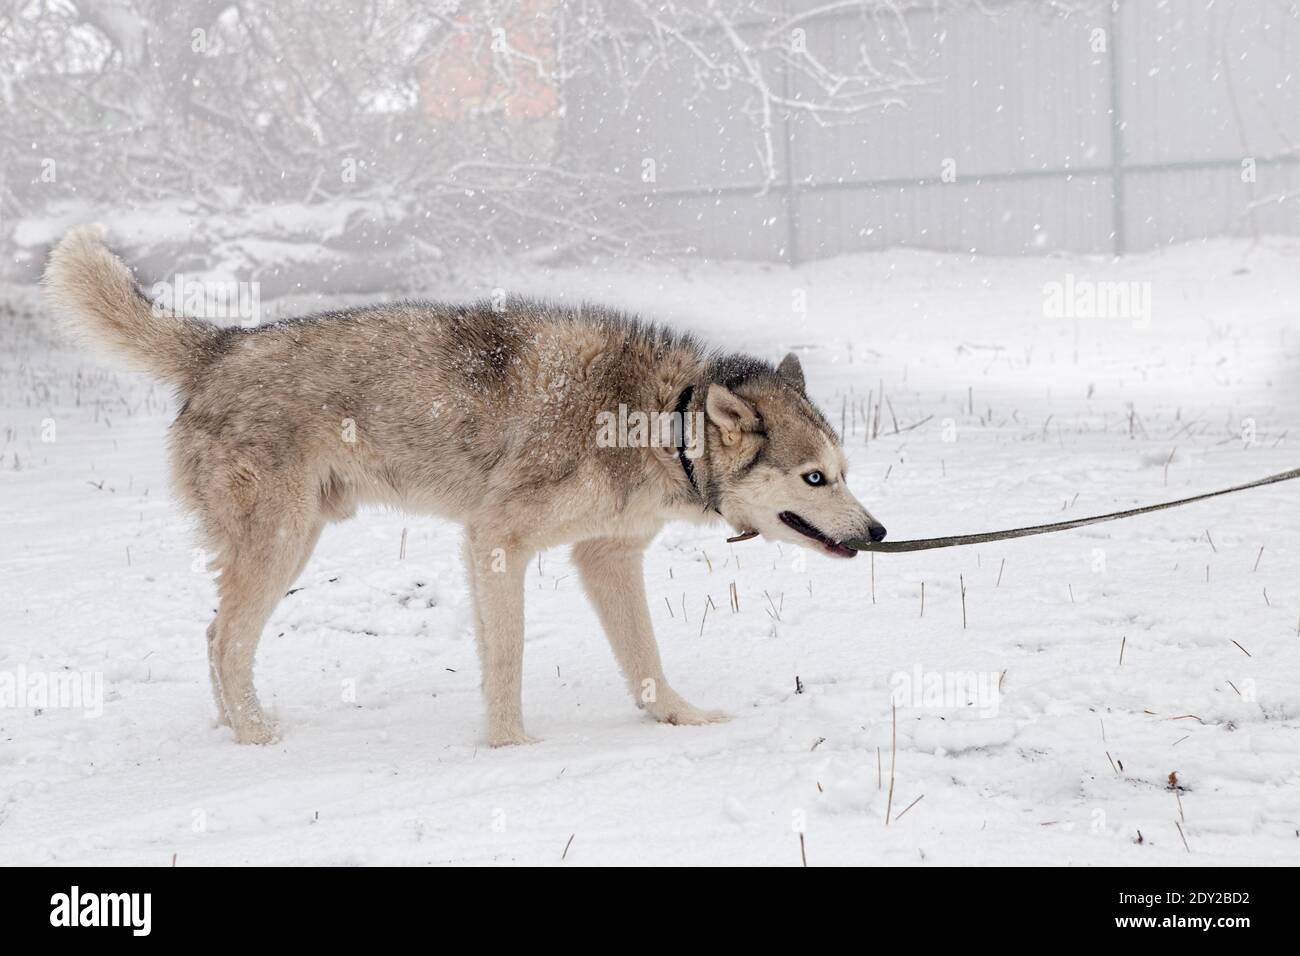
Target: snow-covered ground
[1054,751]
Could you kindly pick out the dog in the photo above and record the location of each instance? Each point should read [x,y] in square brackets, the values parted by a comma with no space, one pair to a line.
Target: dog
[483,414]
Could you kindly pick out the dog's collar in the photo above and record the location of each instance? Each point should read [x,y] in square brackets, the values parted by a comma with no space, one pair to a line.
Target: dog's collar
[688,467]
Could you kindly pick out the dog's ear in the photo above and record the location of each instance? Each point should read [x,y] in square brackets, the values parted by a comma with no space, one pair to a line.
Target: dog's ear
[731,413]
[791,370]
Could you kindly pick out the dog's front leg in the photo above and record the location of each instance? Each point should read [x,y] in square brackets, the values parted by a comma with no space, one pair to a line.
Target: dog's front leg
[611,574]
[496,576]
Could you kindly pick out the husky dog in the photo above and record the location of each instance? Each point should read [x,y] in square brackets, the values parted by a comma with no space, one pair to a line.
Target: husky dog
[485,416]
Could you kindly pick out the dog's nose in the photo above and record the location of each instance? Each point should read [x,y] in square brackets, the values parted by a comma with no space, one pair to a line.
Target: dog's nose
[877,531]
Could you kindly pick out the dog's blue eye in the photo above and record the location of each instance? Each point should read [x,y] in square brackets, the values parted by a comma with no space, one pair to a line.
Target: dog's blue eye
[815,478]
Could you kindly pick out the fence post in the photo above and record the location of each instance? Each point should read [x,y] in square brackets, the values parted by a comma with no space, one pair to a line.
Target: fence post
[1118,238]
[790,198]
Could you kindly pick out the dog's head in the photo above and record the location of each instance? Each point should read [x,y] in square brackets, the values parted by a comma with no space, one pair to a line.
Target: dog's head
[775,464]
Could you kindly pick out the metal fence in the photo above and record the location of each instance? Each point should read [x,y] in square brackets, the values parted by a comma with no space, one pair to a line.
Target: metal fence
[1125,127]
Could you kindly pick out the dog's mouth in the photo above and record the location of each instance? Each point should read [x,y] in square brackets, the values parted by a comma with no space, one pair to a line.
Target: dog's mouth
[792,520]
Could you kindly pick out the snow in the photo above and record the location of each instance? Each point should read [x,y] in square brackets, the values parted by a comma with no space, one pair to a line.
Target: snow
[1031,743]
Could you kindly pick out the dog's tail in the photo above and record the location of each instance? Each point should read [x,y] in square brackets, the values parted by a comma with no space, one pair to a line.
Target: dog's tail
[94,292]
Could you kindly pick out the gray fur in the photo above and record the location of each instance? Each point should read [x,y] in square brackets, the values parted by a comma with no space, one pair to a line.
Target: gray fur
[484,416]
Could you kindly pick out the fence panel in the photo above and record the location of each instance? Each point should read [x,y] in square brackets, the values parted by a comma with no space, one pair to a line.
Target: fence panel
[1010,148]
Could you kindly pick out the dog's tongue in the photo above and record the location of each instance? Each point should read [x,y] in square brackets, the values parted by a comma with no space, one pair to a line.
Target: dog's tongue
[856,544]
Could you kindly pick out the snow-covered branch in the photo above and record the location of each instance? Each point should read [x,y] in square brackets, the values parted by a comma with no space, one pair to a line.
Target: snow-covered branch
[456,113]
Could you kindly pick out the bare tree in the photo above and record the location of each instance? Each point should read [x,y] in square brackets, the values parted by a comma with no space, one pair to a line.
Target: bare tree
[447,118]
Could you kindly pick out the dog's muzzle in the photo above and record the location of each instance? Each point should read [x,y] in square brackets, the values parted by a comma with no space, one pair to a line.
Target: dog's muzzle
[875,532]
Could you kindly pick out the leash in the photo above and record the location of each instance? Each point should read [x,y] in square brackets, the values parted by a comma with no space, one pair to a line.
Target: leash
[957,540]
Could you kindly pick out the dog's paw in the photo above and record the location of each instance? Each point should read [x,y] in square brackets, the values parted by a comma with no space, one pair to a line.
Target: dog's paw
[681,714]
[260,732]
[511,738]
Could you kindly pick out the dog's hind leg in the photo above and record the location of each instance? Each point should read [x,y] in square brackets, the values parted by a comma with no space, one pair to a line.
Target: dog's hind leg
[223,718]
[496,575]
[268,550]
[313,536]
[611,574]
[214,675]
